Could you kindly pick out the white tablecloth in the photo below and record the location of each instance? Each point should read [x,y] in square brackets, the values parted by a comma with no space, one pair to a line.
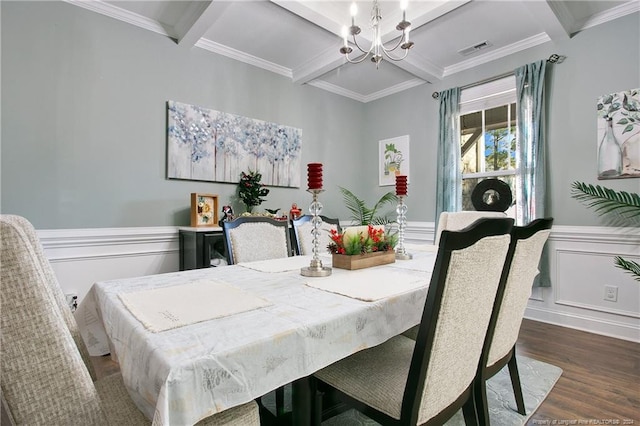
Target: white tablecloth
[182,375]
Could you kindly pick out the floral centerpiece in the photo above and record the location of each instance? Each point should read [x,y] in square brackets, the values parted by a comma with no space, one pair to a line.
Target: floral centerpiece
[361,247]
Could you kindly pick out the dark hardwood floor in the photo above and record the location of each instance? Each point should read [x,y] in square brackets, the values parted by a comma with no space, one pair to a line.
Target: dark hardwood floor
[600,383]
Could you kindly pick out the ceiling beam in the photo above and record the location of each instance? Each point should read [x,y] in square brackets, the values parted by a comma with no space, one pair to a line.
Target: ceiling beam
[321,64]
[420,67]
[197,20]
[554,17]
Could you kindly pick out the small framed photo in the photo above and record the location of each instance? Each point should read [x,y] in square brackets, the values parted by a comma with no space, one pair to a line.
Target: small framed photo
[393,157]
[204,209]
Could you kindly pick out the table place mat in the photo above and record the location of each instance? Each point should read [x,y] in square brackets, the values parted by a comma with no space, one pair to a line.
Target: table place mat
[418,263]
[369,284]
[166,308]
[284,264]
[430,248]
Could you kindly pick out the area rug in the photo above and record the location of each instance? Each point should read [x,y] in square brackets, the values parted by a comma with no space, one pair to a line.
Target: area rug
[538,378]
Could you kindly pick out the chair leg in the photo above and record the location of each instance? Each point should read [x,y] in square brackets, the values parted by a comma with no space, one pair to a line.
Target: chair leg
[515,383]
[280,401]
[470,412]
[480,396]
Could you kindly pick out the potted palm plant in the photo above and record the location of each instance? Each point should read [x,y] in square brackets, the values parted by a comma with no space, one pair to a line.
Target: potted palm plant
[363,215]
[620,207]
[366,243]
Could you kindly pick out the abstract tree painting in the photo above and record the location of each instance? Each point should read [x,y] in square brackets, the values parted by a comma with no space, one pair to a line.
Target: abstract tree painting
[209,145]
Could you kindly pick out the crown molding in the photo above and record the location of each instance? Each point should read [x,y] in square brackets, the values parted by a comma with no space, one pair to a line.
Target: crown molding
[609,15]
[337,90]
[123,15]
[229,52]
[394,89]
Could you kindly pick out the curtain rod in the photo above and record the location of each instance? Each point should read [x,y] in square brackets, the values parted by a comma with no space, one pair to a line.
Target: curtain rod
[553,59]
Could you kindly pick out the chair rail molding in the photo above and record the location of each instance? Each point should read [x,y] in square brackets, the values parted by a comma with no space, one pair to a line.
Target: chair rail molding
[81,257]
[580,257]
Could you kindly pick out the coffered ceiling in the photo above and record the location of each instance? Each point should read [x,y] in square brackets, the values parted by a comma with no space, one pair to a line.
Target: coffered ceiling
[301,39]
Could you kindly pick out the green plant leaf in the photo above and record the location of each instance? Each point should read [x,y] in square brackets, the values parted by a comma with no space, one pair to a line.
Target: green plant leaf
[628,265]
[363,215]
[621,206]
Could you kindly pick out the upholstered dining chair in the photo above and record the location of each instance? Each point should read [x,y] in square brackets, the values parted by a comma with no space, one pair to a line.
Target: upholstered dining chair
[454,221]
[253,238]
[302,232]
[499,350]
[426,381]
[50,277]
[44,378]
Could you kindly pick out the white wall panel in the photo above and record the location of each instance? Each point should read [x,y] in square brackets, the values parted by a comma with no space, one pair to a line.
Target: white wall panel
[581,262]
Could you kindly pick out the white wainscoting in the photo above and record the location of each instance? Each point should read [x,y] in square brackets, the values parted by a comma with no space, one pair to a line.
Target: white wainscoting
[581,264]
[81,257]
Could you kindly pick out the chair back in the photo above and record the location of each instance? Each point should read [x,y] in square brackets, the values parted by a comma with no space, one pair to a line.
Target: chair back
[50,276]
[527,243]
[460,299]
[455,221]
[302,228]
[253,238]
[44,379]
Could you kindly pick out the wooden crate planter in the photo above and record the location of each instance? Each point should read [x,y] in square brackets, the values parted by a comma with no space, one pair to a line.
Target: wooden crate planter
[360,261]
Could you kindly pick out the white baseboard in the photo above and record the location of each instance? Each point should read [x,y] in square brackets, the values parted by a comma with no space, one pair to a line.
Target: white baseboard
[581,264]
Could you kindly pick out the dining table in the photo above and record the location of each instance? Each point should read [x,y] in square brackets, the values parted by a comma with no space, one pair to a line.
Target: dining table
[194,343]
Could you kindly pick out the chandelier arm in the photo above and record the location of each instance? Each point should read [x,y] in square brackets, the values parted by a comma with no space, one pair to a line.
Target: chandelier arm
[386,50]
[406,52]
[356,61]
[366,52]
[378,49]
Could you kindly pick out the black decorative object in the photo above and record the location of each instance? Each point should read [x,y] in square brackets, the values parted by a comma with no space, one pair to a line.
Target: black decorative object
[491,195]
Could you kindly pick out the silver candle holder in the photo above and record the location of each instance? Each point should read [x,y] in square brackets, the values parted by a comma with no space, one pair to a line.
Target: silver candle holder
[401,210]
[315,268]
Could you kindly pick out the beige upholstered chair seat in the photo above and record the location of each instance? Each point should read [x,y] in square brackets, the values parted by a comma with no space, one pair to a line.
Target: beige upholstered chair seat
[376,376]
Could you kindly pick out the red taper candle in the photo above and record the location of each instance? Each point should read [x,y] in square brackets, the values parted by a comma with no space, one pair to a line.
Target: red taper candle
[314,175]
[401,185]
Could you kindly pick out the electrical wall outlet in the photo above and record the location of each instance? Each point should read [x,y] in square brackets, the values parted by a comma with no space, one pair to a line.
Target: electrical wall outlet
[72,301]
[611,293]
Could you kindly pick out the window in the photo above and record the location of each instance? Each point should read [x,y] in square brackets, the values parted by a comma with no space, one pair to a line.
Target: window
[488,143]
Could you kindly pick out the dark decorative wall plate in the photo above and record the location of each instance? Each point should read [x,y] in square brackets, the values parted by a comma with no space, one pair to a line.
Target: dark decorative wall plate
[491,195]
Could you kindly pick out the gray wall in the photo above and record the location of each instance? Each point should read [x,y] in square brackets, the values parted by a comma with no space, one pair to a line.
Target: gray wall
[84,119]
[84,126]
[600,60]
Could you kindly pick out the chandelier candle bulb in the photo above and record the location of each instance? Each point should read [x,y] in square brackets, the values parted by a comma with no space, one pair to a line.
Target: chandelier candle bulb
[314,175]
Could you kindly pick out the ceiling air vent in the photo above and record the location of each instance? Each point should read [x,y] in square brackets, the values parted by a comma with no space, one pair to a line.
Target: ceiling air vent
[476,47]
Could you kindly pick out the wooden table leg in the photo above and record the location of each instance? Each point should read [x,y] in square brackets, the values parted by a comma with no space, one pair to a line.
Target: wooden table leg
[301,395]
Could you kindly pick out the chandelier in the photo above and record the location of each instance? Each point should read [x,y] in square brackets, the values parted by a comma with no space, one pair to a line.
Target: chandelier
[377,49]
